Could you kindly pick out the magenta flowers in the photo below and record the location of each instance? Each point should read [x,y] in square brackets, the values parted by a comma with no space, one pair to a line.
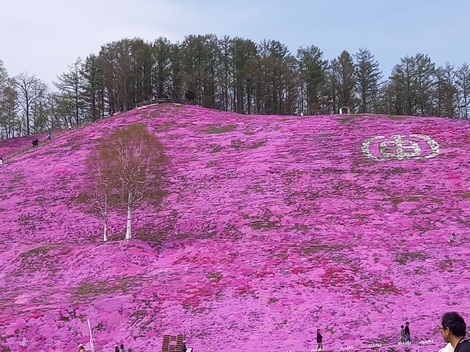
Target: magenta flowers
[272,227]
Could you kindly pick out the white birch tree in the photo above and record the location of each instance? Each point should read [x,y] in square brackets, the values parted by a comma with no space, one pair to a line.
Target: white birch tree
[133,161]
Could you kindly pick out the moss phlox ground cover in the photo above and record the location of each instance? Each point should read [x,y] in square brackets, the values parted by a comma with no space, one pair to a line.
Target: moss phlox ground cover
[273,226]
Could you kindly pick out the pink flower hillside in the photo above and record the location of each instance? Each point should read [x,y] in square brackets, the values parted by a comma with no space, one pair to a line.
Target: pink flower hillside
[271,227]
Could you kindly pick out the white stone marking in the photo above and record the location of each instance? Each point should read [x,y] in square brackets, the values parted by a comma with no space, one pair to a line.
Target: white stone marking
[400,147]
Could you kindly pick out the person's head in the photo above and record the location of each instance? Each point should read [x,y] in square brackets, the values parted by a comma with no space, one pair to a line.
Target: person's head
[453,325]
[403,326]
[318,330]
[122,346]
[407,323]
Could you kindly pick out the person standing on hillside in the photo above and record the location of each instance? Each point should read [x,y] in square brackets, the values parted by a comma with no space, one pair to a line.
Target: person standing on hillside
[402,334]
[319,340]
[407,332]
[453,330]
[1,160]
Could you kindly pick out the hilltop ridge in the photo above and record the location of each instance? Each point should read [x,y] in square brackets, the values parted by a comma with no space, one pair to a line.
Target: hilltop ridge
[274,226]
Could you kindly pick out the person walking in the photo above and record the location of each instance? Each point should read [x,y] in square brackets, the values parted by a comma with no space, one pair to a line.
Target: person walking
[453,331]
[319,340]
[407,332]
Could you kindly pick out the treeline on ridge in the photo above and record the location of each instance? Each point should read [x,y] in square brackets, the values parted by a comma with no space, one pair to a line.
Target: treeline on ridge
[233,74]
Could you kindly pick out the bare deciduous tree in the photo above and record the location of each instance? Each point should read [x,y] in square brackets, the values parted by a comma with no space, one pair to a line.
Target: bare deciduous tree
[129,164]
[98,186]
[30,90]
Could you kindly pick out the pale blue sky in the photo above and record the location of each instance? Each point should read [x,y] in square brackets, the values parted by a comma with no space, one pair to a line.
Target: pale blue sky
[44,37]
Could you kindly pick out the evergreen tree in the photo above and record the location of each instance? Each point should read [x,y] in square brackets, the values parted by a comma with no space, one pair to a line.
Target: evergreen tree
[71,88]
[368,76]
[313,71]
[342,82]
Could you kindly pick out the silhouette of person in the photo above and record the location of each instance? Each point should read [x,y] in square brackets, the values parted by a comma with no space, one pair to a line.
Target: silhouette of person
[319,340]
[407,332]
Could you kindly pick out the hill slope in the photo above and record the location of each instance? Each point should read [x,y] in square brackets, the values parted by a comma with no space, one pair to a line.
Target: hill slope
[274,226]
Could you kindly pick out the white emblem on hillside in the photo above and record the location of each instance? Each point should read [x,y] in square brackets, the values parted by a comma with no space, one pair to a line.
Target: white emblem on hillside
[400,147]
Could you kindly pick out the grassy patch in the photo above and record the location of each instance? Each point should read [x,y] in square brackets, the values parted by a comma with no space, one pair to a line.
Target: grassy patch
[42,250]
[321,248]
[47,257]
[397,117]
[406,257]
[216,149]
[211,163]
[93,289]
[263,224]
[139,314]
[347,119]
[214,276]
[397,170]
[258,144]
[236,144]
[220,129]
[81,198]
[249,133]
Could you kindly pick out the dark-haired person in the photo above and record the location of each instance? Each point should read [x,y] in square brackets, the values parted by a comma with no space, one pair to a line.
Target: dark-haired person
[453,330]
[319,341]
[407,332]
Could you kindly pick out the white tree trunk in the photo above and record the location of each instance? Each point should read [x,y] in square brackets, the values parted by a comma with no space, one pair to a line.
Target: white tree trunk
[105,219]
[105,231]
[129,219]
